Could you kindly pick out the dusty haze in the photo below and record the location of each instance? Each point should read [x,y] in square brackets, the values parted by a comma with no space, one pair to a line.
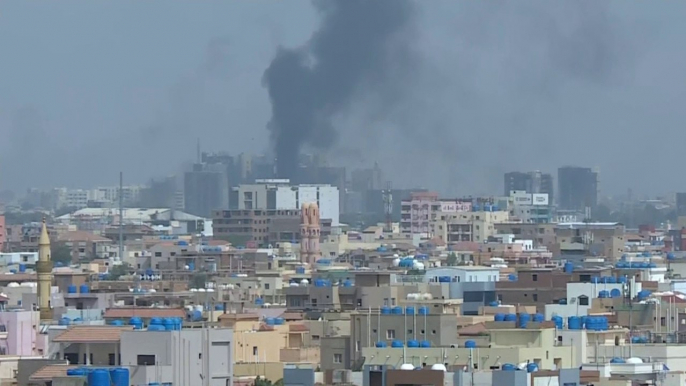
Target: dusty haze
[88,89]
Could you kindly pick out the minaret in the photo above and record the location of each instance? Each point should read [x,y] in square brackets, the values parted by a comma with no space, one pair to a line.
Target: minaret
[44,269]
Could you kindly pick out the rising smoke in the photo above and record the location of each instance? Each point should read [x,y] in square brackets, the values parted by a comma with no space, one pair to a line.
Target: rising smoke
[359,47]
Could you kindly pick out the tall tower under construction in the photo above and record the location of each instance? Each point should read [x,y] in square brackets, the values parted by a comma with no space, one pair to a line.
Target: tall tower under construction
[44,269]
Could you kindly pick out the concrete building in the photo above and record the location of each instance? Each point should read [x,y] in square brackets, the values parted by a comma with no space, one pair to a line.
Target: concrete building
[3,233]
[530,208]
[19,333]
[453,227]
[422,208]
[530,182]
[281,195]
[583,238]
[474,285]
[577,188]
[260,226]
[310,234]
[86,246]
[187,357]
[205,189]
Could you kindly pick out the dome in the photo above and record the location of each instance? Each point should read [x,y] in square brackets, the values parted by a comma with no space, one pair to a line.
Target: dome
[439,367]
[406,366]
[634,361]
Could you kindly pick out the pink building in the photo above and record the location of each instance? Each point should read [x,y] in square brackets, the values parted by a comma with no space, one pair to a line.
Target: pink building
[417,213]
[310,232]
[19,337]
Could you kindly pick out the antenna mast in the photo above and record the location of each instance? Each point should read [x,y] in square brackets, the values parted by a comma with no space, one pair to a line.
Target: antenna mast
[388,206]
[121,216]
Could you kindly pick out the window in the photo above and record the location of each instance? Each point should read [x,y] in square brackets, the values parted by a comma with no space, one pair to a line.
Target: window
[315,337]
[535,297]
[390,334]
[337,358]
[158,254]
[534,277]
[254,350]
[146,360]
[663,321]
[583,300]
[266,285]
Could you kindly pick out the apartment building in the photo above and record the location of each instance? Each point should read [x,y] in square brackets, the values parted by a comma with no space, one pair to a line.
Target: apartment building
[582,238]
[453,227]
[258,225]
[421,209]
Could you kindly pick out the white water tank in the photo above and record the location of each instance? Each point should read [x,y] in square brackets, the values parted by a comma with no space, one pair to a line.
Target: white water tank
[439,367]
[396,262]
[634,361]
[406,366]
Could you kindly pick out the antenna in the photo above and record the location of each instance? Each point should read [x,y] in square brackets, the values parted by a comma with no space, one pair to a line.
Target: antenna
[121,216]
[388,206]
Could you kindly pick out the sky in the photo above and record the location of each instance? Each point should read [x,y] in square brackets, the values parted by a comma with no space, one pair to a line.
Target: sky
[88,89]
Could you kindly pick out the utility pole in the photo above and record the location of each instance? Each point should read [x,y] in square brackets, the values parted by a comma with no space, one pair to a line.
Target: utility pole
[121,216]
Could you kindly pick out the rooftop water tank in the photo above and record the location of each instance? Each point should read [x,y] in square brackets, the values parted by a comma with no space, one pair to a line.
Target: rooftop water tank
[493,304]
[22,268]
[617,360]
[409,310]
[117,322]
[259,301]
[621,265]
[397,343]
[438,367]
[569,267]
[136,322]
[347,283]
[120,376]
[397,310]
[196,315]
[523,320]
[385,310]
[634,361]
[64,321]
[406,366]
[615,293]
[470,344]
[539,318]
[168,324]
[595,279]
[72,289]
[500,317]
[604,294]
[412,343]
[270,321]
[84,290]
[531,368]
[423,310]
[444,279]
[279,321]
[562,301]
[381,344]
[512,277]
[76,372]
[671,256]
[156,321]
[558,320]
[574,323]
[511,318]
[425,344]
[508,367]
[99,377]
[219,307]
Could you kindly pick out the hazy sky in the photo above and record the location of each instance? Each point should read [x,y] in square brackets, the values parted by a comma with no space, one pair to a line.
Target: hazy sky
[91,88]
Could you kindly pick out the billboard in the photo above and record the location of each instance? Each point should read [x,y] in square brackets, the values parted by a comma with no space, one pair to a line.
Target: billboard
[521,198]
[540,198]
[456,206]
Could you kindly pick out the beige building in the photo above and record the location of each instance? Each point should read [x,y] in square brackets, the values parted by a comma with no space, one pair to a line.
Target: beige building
[454,227]
[605,239]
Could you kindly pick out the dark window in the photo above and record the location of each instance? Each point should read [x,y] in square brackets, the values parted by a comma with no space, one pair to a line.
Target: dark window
[583,300]
[111,361]
[158,254]
[534,277]
[72,358]
[146,360]
[535,297]
[473,296]
[585,278]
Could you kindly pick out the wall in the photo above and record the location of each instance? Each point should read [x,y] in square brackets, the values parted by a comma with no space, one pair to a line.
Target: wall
[21,334]
[271,371]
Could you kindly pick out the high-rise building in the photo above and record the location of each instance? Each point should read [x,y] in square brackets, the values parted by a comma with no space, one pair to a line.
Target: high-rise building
[681,204]
[531,182]
[205,189]
[577,188]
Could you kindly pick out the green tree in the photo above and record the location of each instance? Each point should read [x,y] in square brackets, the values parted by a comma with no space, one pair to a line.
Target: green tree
[452,259]
[60,253]
[199,280]
[117,271]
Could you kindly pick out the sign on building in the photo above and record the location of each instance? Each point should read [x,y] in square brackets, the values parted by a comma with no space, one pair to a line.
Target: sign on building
[455,206]
[540,198]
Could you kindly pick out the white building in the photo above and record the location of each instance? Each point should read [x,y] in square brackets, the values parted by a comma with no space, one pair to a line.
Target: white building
[530,208]
[279,194]
[13,258]
[464,274]
[580,297]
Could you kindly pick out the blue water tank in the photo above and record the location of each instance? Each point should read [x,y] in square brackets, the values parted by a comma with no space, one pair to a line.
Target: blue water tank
[13,271]
[425,344]
[595,279]
[621,265]
[511,318]
[197,315]
[120,376]
[559,321]
[259,301]
[22,268]
[470,344]
[671,256]
[646,254]
[347,283]
[381,249]
[270,321]
[508,367]
[636,339]
[531,368]
[574,323]
[385,310]
[423,310]
[219,307]
[117,322]
[64,321]
[397,310]
[191,266]
[523,320]
[168,324]
[539,318]
[412,343]
[381,344]
[562,301]
[84,289]
[444,279]
[604,294]
[71,289]
[409,310]
[136,322]
[279,321]
[583,319]
[500,317]
[621,280]
[99,377]
[300,270]
[611,279]
[493,304]
[156,327]
[652,265]
[149,272]
[397,343]
[476,208]
[157,321]
[617,360]
[569,267]
[76,372]
[512,277]
[615,293]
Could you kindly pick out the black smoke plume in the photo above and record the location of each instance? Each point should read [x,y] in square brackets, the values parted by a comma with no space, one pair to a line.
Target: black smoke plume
[359,47]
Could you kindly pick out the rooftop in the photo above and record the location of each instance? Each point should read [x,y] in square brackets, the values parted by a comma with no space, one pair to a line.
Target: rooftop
[90,334]
[48,372]
[129,312]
